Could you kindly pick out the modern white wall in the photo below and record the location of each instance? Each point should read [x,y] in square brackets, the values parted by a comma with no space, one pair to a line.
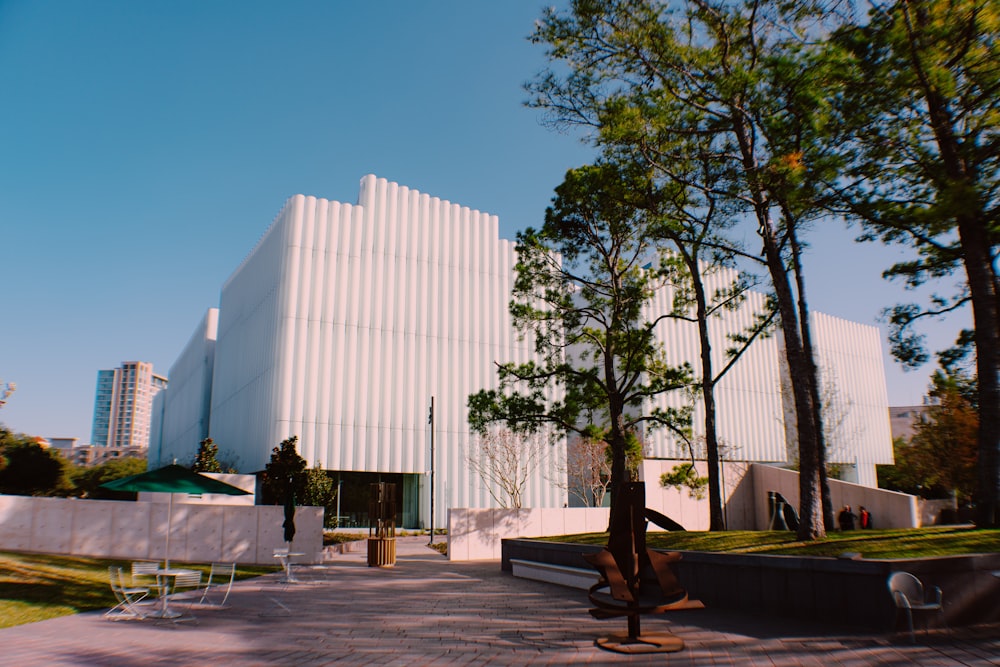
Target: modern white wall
[189,403]
[749,410]
[752,420]
[853,389]
[677,504]
[475,534]
[136,530]
[346,319]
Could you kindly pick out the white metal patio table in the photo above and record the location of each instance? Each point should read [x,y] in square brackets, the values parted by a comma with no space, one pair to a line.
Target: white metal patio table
[285,558]
[164,580]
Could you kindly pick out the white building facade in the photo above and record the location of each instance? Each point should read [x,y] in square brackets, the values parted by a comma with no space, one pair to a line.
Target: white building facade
[345,319]
[754,414]
[339,327]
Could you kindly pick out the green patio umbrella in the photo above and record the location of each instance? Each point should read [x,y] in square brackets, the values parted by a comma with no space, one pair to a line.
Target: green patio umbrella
[173,479]
[289,523]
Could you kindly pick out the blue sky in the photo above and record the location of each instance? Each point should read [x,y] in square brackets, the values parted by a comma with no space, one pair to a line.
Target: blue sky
[146,146]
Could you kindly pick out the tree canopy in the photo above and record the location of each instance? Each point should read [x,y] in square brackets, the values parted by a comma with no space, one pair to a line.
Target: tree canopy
[284,473]
[33,470]
[579,294]
[919,136]
[941,459]
[206,459]
[715,98]
[88,480]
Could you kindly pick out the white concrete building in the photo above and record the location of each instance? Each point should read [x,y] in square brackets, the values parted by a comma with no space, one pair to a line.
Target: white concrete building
[344,320]
[339,327]
[754,412]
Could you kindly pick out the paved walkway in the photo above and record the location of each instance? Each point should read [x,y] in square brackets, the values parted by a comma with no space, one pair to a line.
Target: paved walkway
[428,611]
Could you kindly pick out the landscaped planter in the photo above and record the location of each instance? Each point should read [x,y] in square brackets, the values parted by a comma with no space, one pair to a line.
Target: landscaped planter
[826,589]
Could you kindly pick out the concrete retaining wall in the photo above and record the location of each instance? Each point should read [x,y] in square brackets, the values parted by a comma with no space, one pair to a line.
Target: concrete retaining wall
[475,534]
[848,592]
[136,530]
[889,509]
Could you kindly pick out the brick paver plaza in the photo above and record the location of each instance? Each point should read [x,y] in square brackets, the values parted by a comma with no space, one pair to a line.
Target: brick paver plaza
[428,611]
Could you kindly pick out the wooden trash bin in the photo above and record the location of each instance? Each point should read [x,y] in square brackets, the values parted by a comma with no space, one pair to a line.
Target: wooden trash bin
[381,551]
[382,525]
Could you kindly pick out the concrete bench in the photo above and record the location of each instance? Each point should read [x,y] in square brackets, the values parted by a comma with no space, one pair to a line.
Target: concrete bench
[563,575]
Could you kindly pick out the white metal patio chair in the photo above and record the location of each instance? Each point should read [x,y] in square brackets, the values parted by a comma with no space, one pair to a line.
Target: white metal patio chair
[184,582]
[908,594]
[220,578]
[144,572]
[130,600]
[174,585]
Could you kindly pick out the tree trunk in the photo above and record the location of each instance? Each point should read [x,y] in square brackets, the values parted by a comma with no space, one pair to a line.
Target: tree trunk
[716,517]
[987,324]
[616,435]
[616,441]
[811,525]
[961,182]
[814,377]
[810,497]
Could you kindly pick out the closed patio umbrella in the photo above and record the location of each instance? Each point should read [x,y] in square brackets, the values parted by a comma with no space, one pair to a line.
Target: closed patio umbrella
[173,479]
[289,523]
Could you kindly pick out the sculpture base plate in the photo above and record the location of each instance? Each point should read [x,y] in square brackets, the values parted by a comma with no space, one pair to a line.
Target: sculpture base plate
[654,642]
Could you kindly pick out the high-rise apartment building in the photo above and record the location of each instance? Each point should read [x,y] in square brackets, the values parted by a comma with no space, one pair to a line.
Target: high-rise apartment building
[123,405]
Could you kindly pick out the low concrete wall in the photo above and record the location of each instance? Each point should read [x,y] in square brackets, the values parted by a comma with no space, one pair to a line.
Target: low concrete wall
[136,530]
[933,511]
[846,592]
[889,509]
[475,534]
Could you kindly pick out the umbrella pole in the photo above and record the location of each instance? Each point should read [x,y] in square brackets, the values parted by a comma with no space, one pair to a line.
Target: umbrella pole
[170,515]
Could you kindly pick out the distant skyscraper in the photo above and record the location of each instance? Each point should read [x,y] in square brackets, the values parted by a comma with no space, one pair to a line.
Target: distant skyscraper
[123,405]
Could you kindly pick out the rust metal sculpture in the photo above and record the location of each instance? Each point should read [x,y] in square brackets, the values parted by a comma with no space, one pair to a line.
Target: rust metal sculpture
[635,580]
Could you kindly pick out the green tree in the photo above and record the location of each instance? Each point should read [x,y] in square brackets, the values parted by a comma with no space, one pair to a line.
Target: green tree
[693,218]
[907,474]
[720,82]
[206,460]
[580,295]
[685,475]
[33,470]
[941,459]
[920,134]
[87,481]
[8,437]
[318,490]
[285,471]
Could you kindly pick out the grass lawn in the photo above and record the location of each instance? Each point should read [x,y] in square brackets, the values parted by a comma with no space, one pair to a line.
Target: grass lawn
[893,543]
[34,587]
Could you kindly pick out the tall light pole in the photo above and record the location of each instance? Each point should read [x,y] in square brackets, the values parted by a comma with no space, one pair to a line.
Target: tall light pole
[339,482]
[430,420]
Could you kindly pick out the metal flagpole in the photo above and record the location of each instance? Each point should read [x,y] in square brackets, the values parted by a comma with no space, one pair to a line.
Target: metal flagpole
[430,420]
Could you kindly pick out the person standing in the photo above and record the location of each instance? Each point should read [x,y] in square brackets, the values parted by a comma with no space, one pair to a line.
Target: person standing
[865,517]
[846,518]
